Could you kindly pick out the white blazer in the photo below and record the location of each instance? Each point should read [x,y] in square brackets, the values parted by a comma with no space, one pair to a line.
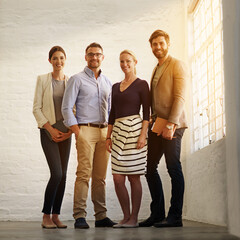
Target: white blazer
[43,106]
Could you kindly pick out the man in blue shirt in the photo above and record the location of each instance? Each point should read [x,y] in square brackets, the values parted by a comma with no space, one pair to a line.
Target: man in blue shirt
[90,92]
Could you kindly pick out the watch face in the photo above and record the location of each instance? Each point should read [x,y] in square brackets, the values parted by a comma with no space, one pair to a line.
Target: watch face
[169,127]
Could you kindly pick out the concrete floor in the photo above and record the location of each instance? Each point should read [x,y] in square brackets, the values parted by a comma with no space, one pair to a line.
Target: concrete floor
[190,231]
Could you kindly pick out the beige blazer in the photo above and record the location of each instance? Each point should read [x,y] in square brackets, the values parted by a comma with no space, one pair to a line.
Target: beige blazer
[43,106]
[169,93]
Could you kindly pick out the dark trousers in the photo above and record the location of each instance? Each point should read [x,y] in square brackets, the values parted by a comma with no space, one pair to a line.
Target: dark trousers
[157,146]
[57,155]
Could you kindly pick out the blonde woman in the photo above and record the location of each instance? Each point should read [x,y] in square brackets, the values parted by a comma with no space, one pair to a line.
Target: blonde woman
[55,137]
[127,137]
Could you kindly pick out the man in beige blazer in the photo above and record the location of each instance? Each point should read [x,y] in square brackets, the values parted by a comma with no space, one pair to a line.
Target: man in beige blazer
[168,84]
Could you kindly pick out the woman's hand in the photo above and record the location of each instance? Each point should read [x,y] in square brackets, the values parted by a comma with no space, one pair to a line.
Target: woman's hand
[109,144]
[62,136]
[55,133]
[141,141]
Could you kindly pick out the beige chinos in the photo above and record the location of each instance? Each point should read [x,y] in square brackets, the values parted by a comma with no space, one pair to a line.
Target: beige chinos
[92,163]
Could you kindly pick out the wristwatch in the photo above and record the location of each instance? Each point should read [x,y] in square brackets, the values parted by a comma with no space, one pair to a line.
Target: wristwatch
[169,127]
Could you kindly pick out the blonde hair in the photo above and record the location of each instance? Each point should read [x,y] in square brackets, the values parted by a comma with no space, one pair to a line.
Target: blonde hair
[132,54]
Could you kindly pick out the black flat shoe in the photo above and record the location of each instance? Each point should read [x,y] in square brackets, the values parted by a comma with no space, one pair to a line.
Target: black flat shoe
[149,222]
[81,223]
[168,223]
[106,222]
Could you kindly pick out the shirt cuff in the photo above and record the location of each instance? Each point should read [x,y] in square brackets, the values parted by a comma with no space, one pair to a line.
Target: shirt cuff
[70,122]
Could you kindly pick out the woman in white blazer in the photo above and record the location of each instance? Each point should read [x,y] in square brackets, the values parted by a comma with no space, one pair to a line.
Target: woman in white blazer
[55,137]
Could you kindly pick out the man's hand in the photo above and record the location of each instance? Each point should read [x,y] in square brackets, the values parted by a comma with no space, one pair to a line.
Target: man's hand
[75,129]
[168,133]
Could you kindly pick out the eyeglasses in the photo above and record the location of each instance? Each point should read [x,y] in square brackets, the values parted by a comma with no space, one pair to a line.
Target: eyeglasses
[91,55]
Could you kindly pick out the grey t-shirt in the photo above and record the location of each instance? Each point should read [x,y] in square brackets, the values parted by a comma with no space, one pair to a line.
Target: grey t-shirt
[58,91]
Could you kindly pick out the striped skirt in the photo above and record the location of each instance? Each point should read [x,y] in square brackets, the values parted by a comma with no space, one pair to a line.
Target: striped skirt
[126,158]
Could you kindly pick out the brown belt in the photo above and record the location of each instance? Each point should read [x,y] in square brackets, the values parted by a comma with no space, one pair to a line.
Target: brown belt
[103,125]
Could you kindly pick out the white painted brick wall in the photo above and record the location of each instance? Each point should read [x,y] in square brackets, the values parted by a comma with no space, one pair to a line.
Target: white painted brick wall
[28,29]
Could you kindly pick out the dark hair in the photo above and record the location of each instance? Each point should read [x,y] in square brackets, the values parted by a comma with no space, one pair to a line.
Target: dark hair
[159,33]
[55,49]
[94,44]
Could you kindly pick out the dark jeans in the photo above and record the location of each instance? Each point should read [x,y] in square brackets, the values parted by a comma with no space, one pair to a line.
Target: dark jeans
[57,155]
[157,146]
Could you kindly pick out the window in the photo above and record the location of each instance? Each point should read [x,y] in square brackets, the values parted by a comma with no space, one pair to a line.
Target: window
[207,73]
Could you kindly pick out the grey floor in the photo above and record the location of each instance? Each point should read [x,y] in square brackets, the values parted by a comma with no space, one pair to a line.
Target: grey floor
[190,231]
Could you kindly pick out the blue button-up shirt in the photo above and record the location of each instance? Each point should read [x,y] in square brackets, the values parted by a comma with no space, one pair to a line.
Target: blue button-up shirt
[91,96]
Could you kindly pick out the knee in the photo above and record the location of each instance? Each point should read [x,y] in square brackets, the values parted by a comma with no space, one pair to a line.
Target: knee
[118,179]
[82,176]
[56,177]
[175,172]
[150,173]
[151,168]
[133,179]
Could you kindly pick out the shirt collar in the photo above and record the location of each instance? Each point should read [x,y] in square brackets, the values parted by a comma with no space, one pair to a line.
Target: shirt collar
[90,73]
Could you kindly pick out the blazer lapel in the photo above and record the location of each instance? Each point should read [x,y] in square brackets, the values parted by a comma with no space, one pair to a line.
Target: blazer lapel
[163,70]
[49,83]
[153,73]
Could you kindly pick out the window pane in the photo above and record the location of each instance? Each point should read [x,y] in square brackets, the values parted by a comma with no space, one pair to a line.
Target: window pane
[207,74]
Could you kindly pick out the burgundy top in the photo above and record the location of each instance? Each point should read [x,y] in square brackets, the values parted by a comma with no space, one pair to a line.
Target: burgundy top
[129,101]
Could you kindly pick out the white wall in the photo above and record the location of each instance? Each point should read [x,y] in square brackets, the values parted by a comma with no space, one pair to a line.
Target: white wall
[28,29]
[205,174]
[206,197]
[231,36]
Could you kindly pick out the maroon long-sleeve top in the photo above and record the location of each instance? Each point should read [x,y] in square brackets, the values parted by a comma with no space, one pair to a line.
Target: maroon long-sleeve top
[129,101]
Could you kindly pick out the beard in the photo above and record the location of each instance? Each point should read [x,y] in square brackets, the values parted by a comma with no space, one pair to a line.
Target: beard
[161,54]
[94,64]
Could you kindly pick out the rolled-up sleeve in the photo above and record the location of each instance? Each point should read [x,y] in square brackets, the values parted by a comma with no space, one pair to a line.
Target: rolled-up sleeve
[69,100]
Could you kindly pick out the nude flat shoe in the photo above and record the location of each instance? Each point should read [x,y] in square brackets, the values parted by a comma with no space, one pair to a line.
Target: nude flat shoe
[130,225]
[60,225]
[119,225]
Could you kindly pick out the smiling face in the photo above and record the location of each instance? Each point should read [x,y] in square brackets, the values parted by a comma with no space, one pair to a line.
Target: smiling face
[160,47]
[127,63]
[58,61]
[94,57]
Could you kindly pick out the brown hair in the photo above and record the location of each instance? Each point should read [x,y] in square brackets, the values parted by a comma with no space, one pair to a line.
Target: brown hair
[56,49]
[159,33]
[94,44]
[132,54]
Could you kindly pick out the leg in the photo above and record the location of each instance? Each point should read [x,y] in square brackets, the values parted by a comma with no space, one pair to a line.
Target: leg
[64,149]
[123,197]
[136,197]
[172,154]
[155,152]
[52,154]
[85,148]
[100,162]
